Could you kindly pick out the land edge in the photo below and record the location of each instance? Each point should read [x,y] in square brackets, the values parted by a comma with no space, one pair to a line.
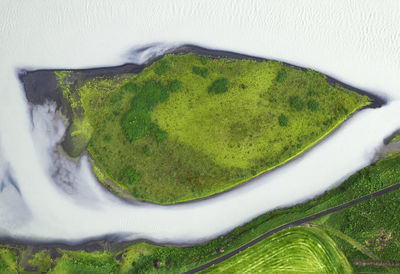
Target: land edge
[39,98]
[303,221]
[39,95]
[113,241]
[109,243]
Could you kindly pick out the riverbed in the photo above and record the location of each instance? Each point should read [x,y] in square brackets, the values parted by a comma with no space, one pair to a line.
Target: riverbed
[357,43]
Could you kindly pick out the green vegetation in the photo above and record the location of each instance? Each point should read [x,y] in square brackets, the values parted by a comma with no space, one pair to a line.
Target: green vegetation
[283,120]
[282,75]
[368,231]
[296,103]
[8,260]
[370,226]
[41,261]
[132,175]
[203,72]
[219,86]
[294,250]
[161,67]
[98,173]
[85,262]
[395,139]
[189,126]
[137,122]
[313,105]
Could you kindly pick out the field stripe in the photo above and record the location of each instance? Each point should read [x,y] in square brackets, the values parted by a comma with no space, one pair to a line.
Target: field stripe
[292,224]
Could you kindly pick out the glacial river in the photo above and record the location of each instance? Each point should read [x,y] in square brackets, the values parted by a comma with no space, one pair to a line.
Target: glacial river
[356,42]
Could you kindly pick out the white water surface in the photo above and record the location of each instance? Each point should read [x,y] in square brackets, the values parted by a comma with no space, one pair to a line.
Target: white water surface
[356,42]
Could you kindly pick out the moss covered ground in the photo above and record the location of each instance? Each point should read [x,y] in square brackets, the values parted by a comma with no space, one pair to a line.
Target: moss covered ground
[294,250]
[190,126]
[371,230]
[8,260]
[372,224]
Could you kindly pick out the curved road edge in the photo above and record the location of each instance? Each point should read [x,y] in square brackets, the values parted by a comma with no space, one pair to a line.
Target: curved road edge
[292,224]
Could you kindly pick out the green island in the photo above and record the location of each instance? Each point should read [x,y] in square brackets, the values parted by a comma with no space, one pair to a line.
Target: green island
[361,238]
[188,126]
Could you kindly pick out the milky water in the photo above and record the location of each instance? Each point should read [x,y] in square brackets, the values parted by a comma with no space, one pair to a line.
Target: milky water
[45,197]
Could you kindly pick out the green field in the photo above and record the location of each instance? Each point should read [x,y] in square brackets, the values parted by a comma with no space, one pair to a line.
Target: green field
[368,231]
[295,250]
[190,126]
[84,262]
[372,219]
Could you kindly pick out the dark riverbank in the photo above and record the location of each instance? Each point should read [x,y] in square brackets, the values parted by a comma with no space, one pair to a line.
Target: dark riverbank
[41,85]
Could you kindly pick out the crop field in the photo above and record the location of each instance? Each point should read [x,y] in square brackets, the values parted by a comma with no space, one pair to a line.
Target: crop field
[295,250]
[190,126]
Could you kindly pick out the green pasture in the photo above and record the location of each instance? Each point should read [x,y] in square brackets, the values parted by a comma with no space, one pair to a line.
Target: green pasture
[190,126]
[294,250]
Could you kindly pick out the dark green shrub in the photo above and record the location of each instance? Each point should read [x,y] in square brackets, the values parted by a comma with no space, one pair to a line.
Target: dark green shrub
[174,85]
[296,103]
[282,75]
[313,105]
[283,120]
[342,110]
[312,93]
[203,60]
[328,122]
[130,87]
[146,150]
[150,95]
[160,134]
[131,175]
[219,86]
[162,67]
[272,100]
[242,86]
[203,72]
[137,122]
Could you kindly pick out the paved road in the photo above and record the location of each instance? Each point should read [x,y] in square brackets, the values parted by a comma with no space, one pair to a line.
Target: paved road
[295,223]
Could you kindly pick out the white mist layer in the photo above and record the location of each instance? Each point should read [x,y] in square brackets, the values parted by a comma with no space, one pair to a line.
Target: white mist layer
[356,42]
